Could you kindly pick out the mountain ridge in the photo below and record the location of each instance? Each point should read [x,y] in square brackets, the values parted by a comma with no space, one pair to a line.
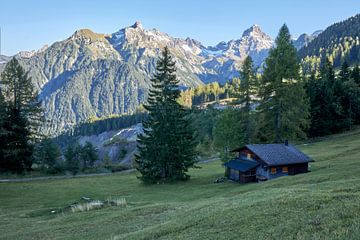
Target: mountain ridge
[95,74]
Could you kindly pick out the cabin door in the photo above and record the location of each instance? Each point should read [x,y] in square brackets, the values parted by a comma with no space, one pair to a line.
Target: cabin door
[234,174]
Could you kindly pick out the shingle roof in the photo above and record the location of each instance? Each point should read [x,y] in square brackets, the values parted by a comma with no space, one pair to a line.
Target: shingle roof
[278,154]
[241,165]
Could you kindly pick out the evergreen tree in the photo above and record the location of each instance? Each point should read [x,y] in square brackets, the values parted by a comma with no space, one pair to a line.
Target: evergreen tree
[48,155]
[344,74]
[229,132]
[72,159]
[107,163]
[3,119]
[247,97]
[166,148]
[284,103]
[23,117]
[326,108]
[355,74]
[351,103]
[88,155]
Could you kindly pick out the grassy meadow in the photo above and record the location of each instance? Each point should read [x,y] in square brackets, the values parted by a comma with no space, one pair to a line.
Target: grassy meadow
[322,204]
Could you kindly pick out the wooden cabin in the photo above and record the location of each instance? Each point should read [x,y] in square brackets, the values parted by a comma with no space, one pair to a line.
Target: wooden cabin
[258,162]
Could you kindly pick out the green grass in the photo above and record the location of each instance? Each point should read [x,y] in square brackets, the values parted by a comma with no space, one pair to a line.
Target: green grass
[322,204]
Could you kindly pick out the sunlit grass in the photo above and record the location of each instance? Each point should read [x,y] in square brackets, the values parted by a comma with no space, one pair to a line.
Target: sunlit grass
[322,204]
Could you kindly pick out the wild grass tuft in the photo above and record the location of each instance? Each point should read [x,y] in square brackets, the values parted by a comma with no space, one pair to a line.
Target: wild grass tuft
[96,204]
[81,207]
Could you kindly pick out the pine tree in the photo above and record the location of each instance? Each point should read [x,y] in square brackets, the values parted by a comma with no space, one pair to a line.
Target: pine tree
[349,93]
[88,155]
[48,155]
[351,103]
[284,103]
[72,159]
[3,118]
[247,97]
[344,74]
[166,148]
[326,106]
[24,116]
[355,74]
[229,132]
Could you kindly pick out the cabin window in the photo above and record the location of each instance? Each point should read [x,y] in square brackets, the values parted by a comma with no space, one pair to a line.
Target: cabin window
[285,169]
[248,156]
[273,170]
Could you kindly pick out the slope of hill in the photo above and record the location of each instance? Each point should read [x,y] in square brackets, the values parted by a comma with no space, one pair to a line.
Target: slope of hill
[322,204]
[338,42]
[91,74]
[304,39]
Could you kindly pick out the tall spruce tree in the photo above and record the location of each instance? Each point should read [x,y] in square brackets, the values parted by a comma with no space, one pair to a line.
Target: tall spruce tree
[3,119]
[284,105]
[48,155]
[355,74]
[350,103]
[344,74]
[247,97]
[229,132]
[349,93]
[23,117]
[166,149]
[326,108]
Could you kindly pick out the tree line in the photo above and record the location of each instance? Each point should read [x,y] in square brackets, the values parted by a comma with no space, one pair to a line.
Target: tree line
[339,43]
[22,146]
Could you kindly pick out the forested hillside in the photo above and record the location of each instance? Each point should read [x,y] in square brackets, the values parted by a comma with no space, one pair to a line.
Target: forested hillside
[340,42]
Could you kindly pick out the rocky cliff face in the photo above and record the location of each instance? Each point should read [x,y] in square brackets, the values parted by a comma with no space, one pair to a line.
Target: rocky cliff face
[92,74]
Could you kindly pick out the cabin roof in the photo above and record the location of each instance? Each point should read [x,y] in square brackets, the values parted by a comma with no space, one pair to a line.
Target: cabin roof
[241,165]
[277,154]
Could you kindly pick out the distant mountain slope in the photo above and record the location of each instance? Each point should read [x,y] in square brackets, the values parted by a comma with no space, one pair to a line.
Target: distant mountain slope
[91,74]
[304,39]
[338,42]
[3,61]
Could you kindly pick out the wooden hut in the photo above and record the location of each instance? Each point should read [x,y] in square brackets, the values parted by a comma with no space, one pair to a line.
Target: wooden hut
[256,162]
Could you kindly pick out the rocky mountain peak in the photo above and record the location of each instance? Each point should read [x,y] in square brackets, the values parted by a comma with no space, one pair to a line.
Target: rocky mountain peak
[254,31]
[137,24]
[86,34]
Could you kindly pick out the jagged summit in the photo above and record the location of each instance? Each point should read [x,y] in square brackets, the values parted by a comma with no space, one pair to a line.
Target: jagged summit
[87,34]
[137,24]
[255,31]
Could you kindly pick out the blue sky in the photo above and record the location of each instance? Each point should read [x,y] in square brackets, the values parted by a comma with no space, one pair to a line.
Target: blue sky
[28,25]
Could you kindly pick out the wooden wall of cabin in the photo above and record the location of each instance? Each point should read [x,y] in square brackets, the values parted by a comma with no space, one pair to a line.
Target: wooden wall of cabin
[298,168]
[248,176]
[284,170]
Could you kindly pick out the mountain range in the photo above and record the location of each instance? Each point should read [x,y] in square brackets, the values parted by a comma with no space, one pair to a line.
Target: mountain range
[91,74]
